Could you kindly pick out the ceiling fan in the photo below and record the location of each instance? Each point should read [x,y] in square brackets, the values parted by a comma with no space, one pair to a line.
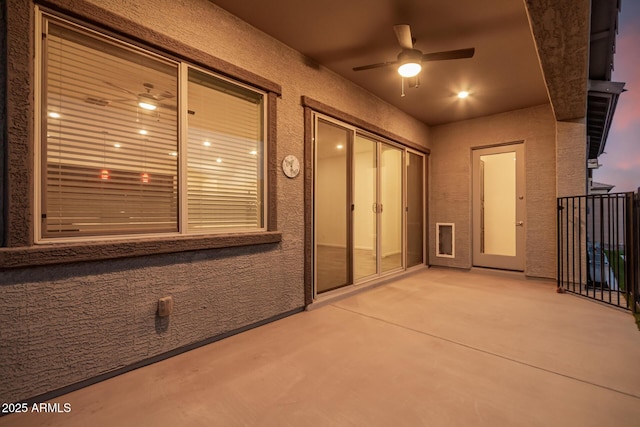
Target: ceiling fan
[410,60]
[147,100]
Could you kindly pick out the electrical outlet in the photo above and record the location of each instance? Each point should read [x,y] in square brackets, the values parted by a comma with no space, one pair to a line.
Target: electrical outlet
[165,306]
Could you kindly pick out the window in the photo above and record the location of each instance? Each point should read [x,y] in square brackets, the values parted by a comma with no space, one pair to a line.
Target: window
[225,121]
[136,143]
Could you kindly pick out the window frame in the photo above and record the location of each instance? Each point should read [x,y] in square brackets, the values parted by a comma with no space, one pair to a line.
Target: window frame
[43,17]
[19,248]
[183,221]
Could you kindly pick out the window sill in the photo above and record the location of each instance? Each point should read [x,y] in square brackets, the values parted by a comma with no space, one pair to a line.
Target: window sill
[96,251]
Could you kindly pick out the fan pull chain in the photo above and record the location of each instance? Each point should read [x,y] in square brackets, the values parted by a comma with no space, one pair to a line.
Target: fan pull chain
[402,92]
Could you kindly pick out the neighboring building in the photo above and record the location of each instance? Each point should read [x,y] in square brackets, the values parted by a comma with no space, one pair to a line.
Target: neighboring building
[600,188]
[143,149]
[603,94]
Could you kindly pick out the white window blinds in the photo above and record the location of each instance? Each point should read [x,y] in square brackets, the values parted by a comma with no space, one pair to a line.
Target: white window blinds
[224,155]
[109,165]
[111,142]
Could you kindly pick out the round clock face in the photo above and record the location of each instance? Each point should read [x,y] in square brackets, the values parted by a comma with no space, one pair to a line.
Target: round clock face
[291,166]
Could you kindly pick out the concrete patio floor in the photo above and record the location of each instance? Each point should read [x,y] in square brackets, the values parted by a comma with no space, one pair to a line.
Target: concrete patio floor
[440,347]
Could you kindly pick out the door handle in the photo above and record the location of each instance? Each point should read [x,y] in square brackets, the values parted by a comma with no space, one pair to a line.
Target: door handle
[376,208]
[520,224]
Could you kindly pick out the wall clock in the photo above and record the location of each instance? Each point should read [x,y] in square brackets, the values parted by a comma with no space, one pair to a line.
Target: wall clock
[291,166]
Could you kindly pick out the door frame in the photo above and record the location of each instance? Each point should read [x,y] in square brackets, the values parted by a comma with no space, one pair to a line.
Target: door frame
[376,203]
[348,202]
[425,213]
[311,108]
[480,259]
[380,142]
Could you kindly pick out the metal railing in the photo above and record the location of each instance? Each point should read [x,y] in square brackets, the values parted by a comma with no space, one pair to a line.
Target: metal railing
[598,246]
[635,259]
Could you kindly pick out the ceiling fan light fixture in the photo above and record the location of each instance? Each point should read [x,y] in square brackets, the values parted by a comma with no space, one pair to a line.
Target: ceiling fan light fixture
[409,62]
[147,105]
[147,102]
[409,69]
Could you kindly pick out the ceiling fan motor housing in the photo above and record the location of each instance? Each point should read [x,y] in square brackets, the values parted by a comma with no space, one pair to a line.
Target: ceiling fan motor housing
[147,97]
[410,55]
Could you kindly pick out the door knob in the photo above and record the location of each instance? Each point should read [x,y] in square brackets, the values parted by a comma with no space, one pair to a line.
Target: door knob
[520,223]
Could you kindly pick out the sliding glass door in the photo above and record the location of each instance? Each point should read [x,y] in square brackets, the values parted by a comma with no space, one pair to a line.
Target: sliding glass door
[365,208]
[390,208]
[415,209]
[361,207]
[332,198]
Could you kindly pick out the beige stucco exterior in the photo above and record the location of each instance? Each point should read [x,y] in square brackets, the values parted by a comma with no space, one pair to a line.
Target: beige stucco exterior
[450,182]
[62,324]
[66,323]
[571,158]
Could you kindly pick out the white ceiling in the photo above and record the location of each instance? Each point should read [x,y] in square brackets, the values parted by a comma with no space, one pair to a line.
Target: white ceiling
[503,75]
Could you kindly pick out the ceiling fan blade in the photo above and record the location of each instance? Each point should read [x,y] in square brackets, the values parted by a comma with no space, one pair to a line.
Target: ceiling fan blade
[403,34]
[170,107]
[378,65]
[120,88]
[449,54]
[166,95]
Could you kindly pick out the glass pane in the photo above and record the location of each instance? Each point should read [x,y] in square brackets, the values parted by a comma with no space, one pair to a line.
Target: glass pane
[224,155]
[109,126]
[498,204]
[391,207]
[364,214]
[332,257]
[415,209]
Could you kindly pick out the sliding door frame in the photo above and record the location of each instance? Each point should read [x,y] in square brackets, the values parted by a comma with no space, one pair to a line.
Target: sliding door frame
[313,108]
[348,202]
[379,206]
[425,213]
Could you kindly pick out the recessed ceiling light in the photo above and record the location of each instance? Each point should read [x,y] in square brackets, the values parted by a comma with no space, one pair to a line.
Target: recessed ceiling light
[117,145]
[339,146]
[206,144]
[253,152]
[463,94]
[173,153]
[143,132]
[54,115]
[219,160]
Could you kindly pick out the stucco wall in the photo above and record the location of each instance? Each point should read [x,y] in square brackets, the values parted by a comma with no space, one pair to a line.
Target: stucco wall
[450,182]
[65,323]
[571,158]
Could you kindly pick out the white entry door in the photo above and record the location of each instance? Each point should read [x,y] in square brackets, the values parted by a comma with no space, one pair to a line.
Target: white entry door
[499,207]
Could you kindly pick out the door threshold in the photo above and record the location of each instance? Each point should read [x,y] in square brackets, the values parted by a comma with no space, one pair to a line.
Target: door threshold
[490,270]
[330,297]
